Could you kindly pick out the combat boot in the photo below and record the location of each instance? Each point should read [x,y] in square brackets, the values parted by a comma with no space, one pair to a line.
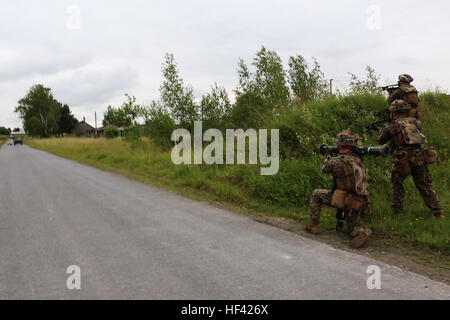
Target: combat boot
[360,238]
[313,227]
[439,214]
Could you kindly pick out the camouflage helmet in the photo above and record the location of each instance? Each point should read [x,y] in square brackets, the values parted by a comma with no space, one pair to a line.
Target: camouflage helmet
[399,106]
[347,138]
[405,78]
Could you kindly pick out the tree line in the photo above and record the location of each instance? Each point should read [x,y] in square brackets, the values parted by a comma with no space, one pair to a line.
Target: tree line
[7,131]
[265,90]
[43,115]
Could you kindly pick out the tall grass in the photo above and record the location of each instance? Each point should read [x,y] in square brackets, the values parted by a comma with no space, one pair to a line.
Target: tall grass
[288,193]
[3,139]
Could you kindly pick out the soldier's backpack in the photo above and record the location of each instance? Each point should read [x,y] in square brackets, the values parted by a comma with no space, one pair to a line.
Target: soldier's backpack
[354,179]
[409,129]
[411,96]
[346,181]
[351,187]
[415,113]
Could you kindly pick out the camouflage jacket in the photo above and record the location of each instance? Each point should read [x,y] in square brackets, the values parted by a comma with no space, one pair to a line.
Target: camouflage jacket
[400,93]
[403,133]
[339,166]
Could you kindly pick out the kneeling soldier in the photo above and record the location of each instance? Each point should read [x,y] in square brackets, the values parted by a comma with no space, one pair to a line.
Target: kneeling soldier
[349,192]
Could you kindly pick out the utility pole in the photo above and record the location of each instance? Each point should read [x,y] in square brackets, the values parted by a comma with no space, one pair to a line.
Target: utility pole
[331,86]
[96,124]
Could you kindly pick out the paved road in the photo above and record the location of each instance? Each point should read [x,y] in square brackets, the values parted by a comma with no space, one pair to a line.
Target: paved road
[131,241]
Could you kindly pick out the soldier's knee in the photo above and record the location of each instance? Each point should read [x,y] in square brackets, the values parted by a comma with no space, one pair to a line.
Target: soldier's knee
[317,194]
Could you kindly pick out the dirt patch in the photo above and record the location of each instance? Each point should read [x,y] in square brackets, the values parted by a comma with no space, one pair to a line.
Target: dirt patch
[391,251]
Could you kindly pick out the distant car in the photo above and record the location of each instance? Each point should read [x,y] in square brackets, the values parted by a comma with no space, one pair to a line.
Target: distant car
[18,141]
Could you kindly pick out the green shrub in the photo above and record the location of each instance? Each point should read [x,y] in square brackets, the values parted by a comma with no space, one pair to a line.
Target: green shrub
[111,133]
[160,126]
[133,136]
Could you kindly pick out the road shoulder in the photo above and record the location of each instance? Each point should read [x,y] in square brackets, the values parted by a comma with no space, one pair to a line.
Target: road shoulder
[392,251]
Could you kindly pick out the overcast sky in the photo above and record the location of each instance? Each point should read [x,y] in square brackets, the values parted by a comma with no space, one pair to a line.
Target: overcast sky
[117,47]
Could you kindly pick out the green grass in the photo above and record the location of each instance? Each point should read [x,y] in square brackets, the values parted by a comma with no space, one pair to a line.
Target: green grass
[3,139]
[287,193]
[240,185]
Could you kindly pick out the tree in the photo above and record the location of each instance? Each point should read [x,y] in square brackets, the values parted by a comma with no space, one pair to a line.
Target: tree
[112,116]
[246,82]
[262,93]
[215,108]
[175,97]
[306,83]
[33,126]
[39,111]
[270,78]
[369,85]
[251,111]
[5,131]
[159,124]
[125,115]
[256,96]
[67,121]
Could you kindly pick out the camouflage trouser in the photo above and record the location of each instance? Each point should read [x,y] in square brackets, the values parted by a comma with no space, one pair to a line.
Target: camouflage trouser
[422,179]
[322,196]
[319,197]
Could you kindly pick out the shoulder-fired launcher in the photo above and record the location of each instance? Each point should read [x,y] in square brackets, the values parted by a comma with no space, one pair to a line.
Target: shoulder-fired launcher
[380,151]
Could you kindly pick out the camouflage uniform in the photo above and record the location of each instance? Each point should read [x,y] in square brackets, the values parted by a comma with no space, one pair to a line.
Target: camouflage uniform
[404,92]
[400,93]
[337,167]
[408,159]
[334,165]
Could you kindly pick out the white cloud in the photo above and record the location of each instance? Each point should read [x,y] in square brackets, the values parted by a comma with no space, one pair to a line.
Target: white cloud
[15,63]
[93,84]
[121,45]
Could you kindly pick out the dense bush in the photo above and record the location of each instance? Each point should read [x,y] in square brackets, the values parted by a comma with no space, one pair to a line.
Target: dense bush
[133,135]
[303,130]
[159,126]
[111,133]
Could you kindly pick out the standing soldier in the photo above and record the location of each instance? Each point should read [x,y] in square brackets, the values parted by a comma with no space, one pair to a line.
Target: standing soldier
[410,157]
[407,93]
[349,192]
